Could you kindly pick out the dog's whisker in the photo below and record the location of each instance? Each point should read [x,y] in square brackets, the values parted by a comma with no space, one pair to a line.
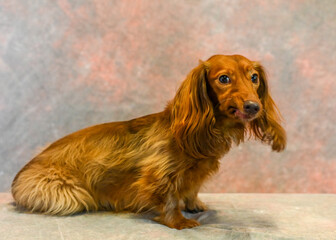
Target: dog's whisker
[223,101]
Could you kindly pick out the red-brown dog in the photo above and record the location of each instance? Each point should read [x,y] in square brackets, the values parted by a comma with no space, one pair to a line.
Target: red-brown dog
[153,162]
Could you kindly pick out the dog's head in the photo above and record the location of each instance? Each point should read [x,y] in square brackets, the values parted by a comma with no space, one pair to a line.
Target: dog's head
[229,87]
[234,87]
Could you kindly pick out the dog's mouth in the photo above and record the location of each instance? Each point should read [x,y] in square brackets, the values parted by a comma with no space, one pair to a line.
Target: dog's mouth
[236,113]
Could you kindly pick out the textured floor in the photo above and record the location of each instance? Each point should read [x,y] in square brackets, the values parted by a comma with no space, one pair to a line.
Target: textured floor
[231,216]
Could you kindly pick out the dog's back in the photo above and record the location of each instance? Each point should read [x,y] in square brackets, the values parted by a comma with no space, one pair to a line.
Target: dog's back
[91,169]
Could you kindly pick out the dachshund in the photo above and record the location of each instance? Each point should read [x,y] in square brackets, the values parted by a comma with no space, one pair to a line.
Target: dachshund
[157,162]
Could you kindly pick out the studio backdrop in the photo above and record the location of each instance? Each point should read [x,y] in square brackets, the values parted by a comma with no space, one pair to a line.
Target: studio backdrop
[66,65]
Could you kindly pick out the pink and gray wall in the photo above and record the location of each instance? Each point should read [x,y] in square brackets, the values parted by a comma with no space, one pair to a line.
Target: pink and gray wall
[67,64]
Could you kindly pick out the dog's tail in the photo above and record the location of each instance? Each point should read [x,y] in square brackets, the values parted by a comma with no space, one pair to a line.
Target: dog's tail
[50,190]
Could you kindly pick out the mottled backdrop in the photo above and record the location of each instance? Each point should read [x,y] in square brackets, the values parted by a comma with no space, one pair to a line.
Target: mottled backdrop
[67,64]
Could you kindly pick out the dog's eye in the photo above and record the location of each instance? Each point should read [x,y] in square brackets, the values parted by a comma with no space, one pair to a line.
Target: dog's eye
[254,78]
[224,79]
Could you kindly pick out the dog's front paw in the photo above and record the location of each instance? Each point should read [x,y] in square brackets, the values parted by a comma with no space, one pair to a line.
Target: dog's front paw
[186,223]
[195,206]
[179,223]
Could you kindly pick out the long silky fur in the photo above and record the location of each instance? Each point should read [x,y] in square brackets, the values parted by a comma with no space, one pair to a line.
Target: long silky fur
[267,127]
[148,163]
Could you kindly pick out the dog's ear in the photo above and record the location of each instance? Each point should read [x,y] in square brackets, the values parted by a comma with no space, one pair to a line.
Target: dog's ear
[192,112]
[267,127]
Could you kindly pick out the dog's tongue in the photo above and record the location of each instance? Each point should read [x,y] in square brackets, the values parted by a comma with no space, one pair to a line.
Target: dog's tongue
[241,115]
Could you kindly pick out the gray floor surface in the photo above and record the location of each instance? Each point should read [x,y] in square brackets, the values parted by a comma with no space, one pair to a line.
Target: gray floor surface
[230,216]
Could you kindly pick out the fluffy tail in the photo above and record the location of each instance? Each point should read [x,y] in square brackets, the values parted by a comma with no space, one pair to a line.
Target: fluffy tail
[51,191]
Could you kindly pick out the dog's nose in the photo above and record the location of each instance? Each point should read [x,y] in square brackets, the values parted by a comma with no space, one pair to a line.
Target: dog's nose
[251,107]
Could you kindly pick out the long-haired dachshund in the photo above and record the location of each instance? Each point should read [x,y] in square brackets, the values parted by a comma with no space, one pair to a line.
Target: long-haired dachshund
[156,161]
